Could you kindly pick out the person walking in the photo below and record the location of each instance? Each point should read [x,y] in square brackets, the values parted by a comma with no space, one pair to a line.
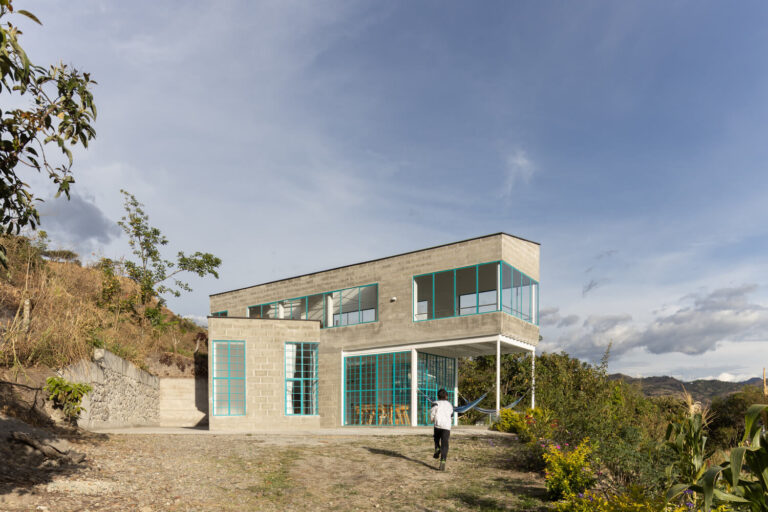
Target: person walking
[441,415]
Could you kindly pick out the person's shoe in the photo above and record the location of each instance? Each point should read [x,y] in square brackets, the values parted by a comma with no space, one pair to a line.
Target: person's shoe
[437,453]
[442,465]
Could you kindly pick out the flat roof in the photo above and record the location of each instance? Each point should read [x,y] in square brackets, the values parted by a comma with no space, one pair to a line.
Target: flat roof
[374,260]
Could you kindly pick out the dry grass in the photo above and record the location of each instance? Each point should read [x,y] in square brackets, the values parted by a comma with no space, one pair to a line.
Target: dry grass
[66,319]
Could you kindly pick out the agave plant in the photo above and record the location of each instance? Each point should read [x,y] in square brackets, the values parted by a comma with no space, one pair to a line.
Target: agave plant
[744,477]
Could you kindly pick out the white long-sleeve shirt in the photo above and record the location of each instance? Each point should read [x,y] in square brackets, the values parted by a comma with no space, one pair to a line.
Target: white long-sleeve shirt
[441,413]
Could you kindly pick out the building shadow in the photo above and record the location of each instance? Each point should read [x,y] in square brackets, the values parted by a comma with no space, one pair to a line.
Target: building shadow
[398,455]
[201,387]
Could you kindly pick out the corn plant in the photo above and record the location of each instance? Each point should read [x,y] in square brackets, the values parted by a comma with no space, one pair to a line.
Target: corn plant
[743,479]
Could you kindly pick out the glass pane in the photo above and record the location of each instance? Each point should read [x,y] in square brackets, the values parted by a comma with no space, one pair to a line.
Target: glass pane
[525,308]
[315,306]
[517,293]
[254,312]
[466,290]
[488,284]
[422,290]
[350,306]
[444,295]
[368,306]
[290,360]
[506,288]
[269,310]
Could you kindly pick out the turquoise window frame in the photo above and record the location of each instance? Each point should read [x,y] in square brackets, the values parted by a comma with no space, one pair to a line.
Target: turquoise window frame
[229,373]
[369,397]
[434,373]
[327,323]
[531,317]
[302,346]
[221,314]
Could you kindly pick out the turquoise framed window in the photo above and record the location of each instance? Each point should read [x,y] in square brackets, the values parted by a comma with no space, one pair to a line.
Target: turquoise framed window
[228,378]
[377,389]
[338,308]
[476,289]
[301,379]
[434,373]
[220,313]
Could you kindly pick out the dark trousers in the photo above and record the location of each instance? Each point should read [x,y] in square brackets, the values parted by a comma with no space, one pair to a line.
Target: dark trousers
[442,437]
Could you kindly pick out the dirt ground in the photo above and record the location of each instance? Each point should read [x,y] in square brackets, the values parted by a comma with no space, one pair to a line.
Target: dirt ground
[164,472]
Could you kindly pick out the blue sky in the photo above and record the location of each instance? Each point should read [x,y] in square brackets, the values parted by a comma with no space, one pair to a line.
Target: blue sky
[628,138]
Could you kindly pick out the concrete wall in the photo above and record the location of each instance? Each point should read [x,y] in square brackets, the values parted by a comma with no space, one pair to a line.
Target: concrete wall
[265,373]
[394,276]
[123,395]
[183,402]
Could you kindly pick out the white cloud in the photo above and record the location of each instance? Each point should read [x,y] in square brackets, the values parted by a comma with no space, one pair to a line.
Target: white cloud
[519,169]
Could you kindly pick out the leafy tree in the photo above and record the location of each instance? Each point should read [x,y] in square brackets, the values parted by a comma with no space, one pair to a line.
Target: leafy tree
[151,272]
[61,113]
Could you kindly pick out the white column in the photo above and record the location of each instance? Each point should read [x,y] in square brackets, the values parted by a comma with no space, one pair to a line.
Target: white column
[456,391]
[533,378]
[414,388]
[328,310]
[498,374]
[414,299]
[498,287]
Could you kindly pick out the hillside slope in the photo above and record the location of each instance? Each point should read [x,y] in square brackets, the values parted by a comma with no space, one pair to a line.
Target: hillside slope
[54,313]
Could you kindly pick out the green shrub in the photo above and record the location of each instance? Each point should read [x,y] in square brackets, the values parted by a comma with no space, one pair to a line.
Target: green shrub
[636,499]
[67,395]
[568,471]
[512,422]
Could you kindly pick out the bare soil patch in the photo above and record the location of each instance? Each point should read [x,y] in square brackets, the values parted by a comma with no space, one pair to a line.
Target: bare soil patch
[271,473]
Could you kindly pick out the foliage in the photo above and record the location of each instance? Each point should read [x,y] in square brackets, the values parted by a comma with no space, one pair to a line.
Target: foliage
[726,427]
[568,471]
[581,401]
[151,272]
[635,499]
[686,439]
[513,422]
[61,113]
[69,317]
[67,395]
[741,480]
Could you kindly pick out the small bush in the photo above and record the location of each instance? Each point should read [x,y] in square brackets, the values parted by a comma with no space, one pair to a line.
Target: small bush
[67,395]
[567,471]
[511,421]
[634,500]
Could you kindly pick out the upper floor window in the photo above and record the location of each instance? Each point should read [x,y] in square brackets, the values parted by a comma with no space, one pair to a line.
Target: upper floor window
[350,306]
[219,313]
[476,289]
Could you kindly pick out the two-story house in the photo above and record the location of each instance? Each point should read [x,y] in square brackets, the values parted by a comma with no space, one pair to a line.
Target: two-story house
[366,344]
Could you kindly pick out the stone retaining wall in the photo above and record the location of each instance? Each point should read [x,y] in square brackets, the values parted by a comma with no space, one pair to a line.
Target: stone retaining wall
[123,395]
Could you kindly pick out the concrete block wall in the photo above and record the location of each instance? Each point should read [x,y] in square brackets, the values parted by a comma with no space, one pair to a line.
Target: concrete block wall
[123,395]
[394,276]
[265,372]
[183,402]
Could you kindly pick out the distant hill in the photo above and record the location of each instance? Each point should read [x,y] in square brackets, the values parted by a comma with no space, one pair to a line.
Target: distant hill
[702,390]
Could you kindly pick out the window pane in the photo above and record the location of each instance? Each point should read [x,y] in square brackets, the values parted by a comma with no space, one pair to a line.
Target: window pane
[466,290]
[254,312]
[315,306]
[350,306]
[488,280]
[526,299]
[506,288]
[368,298]
[444,295]
[423,297]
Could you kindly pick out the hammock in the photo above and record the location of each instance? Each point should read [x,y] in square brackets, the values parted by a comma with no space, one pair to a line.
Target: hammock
[493,411]
[461,409]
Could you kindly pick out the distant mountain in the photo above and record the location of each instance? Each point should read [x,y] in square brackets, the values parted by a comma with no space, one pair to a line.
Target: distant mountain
[702,390]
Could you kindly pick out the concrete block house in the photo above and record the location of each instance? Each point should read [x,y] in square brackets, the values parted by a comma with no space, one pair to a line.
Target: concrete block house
[364,344]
